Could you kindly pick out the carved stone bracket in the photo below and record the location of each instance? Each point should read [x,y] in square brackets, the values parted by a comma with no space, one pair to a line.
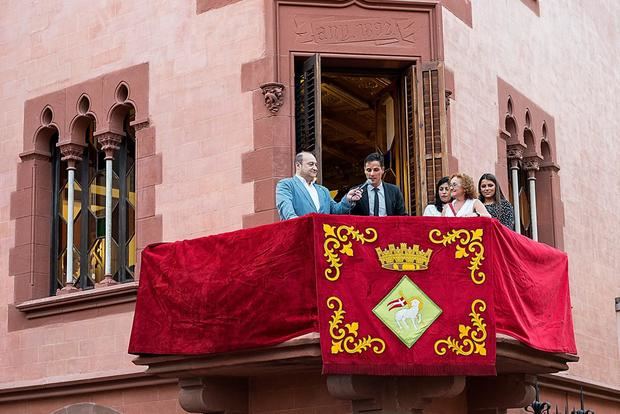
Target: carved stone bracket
[392,394]
[489,394]
[214,395]
[71,153]
[274,96]
[110,142]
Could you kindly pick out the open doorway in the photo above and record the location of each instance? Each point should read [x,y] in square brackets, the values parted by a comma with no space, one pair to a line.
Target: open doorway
[348,108]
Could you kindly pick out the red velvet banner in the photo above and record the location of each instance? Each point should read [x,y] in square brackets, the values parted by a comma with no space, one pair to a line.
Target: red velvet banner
[392,296]
[398,299]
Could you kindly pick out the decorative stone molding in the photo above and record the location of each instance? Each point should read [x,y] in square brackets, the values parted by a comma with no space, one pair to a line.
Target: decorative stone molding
[274,96]
[82,300]
[515,151]
[110,142]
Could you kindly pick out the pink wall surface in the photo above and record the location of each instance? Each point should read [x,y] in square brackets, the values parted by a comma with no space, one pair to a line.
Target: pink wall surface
[562,60]
[566,62]
[203,124]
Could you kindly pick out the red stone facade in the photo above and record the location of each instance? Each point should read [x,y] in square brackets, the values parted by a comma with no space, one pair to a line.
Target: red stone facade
[212,86]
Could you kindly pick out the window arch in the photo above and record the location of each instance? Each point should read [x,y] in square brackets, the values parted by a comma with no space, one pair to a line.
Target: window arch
[89,212]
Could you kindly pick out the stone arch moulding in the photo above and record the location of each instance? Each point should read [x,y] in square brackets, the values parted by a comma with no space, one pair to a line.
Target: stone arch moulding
[30,203]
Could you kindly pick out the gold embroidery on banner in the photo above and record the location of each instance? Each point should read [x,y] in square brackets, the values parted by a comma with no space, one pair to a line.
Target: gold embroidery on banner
[470,241]
[344,339]
[473,341]
[404,258]
[337,242]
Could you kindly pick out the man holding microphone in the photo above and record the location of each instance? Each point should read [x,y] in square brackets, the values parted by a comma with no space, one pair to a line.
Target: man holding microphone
[378,197]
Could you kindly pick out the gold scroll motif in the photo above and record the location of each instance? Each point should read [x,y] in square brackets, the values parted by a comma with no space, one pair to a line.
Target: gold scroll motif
[345,339]
[338,242]
[471,340]
[470,241]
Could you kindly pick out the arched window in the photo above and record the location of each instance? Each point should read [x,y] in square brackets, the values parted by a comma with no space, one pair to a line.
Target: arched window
[89,208]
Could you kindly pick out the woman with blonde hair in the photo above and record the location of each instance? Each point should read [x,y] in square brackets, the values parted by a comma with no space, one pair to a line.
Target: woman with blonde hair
[465,198]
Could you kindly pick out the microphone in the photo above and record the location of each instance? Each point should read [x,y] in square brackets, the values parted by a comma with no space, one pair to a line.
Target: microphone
[362,188]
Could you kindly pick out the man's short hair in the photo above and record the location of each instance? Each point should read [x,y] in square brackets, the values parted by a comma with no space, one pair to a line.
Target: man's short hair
[375,156]
[299,158]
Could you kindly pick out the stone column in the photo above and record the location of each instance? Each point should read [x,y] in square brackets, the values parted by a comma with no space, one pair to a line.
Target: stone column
[72,154]
[515,155]
[109,142]
[531,165]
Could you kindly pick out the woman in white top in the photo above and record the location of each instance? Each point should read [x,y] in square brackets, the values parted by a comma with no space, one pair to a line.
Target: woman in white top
[465,203]
[442,197]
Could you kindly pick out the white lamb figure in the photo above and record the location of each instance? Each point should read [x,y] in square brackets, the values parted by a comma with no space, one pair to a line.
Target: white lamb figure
[412,313]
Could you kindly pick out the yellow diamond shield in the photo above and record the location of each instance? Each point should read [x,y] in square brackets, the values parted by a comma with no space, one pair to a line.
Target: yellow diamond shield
[407,311]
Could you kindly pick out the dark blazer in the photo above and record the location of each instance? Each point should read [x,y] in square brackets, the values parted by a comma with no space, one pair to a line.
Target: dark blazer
[394,203]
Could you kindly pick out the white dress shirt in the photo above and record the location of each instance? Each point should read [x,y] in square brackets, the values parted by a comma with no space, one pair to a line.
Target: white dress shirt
[314,195]
[371,199]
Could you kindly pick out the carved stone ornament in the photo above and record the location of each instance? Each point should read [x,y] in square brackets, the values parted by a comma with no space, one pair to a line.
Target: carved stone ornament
[531,163]
[515,151]
[71,152]
[274,96]
[141,125]
[448,98]
[109,142]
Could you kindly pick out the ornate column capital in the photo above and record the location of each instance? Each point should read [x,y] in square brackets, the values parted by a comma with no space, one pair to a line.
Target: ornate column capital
[531,165]
[110,142]
[515,151]
[274,96]
[71,152]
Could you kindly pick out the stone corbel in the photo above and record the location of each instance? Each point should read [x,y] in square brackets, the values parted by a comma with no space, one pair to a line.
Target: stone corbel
[214,395]
[392,395]
[274,96]
[496,394]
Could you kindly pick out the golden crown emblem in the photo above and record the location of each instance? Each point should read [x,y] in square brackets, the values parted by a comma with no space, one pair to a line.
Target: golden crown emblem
[404,258]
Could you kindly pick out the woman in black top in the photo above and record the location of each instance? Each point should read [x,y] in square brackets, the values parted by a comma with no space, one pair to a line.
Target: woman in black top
[495,202]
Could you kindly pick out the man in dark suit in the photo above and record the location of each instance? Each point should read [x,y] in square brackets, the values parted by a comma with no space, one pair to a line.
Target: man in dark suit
[378,198]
